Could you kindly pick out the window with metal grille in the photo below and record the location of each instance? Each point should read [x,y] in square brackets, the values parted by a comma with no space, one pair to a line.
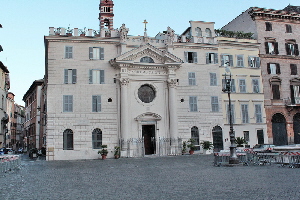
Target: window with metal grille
[97,138]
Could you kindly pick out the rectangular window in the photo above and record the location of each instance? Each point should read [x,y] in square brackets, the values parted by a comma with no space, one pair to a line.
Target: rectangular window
[192,78]
[191,57]
[68,103]
[295,96]
[211,58]
[68,52]
[253,62]
[255,83]
[258,114]
[276,91]
[273,68]
[214,104]
[288,28]
[232,114]
[96,76]
[213,79]
[268,26]
[70,76]
[193,103]
[291,49]
[96,53]
[96,103]
[245,116]
[226,59]
[293,69]
[271,47]
[240,61]
[246,136]
[242,85]
[232,85]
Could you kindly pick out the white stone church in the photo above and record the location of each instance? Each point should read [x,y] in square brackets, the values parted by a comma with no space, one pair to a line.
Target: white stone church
[144,94]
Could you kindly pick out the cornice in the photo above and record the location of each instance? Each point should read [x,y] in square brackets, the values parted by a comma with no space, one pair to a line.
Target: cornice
[279,56]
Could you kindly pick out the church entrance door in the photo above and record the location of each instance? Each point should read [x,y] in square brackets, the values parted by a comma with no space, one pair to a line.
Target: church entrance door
[148,132]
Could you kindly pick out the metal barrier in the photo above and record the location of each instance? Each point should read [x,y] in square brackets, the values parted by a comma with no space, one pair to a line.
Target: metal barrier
[9,162]
[290,158]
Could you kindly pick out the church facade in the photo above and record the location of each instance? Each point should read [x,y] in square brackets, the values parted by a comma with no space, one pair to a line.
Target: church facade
[144,94]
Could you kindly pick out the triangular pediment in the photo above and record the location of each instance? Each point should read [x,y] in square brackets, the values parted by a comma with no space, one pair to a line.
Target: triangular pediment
[158,56]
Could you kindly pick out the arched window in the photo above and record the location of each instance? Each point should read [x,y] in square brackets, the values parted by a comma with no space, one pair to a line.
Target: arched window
[208,32]
[146,59]
[198,32]
[68,139]
[97,138]
[195,136]
[106,22]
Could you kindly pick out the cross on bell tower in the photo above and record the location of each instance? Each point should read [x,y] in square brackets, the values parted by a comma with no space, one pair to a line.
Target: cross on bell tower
[106,15]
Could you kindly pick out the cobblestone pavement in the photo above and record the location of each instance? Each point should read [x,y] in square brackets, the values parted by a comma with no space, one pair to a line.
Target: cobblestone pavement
[173,177]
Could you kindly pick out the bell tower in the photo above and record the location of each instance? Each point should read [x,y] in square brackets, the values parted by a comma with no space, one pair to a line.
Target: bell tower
[106,15]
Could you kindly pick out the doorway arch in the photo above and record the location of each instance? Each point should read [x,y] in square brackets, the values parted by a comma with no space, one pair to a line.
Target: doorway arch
[279,129]
[296,127]
[217,138]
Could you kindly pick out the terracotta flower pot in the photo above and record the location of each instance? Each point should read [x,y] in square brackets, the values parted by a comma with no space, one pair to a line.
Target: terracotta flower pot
[103,157]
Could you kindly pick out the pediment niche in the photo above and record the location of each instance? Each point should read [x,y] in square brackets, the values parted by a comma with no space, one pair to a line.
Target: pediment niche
[147,55]
[148,116]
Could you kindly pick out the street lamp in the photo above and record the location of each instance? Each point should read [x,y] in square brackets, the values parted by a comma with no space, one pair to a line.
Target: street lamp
[233,157]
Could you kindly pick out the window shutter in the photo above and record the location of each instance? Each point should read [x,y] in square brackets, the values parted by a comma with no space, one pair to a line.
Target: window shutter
[292,94]
[94,103]
[267,47]
[232,85]
[70,103]
[288,52]
[222,60]
[101,53]
[91,76]
[99,103]
[74,76]
[293,69]
[276,92]
[296,50]
[268,68]
[276,47]
[66,76]
[195,60]
[186,56]
[257,60]
[249,61]
[207,58]
[231,60]
[216,58]
[91,53]
[277,68]
[101,76]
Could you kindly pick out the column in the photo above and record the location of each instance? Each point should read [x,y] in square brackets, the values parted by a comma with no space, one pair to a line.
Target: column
[124,111]
[173,115]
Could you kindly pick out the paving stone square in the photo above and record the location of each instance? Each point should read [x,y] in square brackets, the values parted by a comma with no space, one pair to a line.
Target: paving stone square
[170,177]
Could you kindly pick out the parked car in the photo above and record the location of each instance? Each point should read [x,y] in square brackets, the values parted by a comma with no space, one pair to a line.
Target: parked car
[20,150]
[263,148]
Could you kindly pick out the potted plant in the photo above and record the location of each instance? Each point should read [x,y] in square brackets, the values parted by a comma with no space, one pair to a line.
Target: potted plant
[183,147]
[117,152]
[206,145]
[103,151]
[191,145]
[240,141]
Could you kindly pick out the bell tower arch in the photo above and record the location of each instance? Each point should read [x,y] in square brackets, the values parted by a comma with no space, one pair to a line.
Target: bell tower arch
[106,15]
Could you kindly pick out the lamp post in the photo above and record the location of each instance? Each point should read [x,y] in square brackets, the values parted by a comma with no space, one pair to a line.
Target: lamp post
[233,157]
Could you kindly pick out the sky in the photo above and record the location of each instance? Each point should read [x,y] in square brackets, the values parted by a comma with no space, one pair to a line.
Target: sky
[26,22]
